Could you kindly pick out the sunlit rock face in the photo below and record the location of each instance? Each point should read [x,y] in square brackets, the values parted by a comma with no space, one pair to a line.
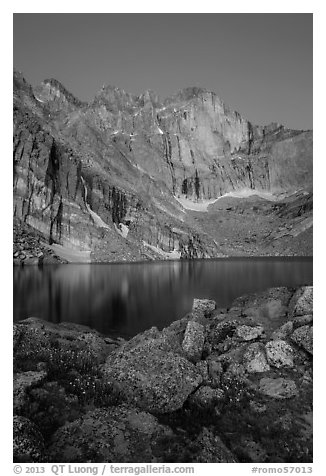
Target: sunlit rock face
[104,176]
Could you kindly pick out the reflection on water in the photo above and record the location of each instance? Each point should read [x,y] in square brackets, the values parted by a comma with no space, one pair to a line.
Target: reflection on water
[125,299]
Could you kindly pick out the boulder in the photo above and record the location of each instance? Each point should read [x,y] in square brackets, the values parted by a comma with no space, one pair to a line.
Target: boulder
[279,388]
[219,332]
[28,443]
[254,358]
[248,332]
[304,304]
[206,397]
[267,305]
[279,353]
[202,308]
[116,435]
[193,341]
[153,379]
[22,383]
[303,336]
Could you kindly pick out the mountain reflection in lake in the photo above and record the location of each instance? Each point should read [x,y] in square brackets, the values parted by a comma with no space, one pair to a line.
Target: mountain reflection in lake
[125,299]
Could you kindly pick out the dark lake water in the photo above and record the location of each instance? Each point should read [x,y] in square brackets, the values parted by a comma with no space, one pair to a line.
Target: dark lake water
[124,299]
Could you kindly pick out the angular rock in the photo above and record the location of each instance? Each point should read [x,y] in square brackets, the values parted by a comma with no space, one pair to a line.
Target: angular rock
[203,308]
[117,435]
[249,333]
[193,341]
[279,388]
[266,306]
[254,359]
[279,354]
[219,332]
[28,443]
[155,380]
[303,336]
[206,397]
[304,304]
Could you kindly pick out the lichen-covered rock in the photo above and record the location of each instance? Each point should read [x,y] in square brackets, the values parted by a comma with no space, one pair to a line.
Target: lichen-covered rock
[22,383]
[28,443]
[115,435]
[279,354]
[303,336]
[96,344]
[202,308]
[249,333]
[220,331]
[283,332]
[254,359]
[304,304]
[152,379]
[193,341]
[280,388]
[206,397]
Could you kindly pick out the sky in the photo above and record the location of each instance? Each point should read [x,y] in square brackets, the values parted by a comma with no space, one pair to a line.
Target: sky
[259,64]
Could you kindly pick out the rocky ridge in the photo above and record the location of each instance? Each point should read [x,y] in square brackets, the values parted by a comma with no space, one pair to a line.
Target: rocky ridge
[219,385]
[118,178]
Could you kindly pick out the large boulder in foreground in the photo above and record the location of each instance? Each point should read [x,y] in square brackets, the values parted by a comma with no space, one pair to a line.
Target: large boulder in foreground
[152,378]
[109,435]
[128,435]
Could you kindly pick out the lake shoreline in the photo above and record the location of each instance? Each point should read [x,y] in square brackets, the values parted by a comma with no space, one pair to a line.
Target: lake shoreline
[127,299]
[217,385]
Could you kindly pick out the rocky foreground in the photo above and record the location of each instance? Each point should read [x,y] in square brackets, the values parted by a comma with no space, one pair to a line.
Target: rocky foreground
[219,386]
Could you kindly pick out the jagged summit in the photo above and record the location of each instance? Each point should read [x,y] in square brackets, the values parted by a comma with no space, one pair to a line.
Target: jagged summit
[115,176]
[53,90]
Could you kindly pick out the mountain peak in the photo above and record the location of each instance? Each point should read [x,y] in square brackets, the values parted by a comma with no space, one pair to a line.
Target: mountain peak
[52,90]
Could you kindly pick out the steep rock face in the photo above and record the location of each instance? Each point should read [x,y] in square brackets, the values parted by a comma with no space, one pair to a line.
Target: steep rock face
[103,177]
